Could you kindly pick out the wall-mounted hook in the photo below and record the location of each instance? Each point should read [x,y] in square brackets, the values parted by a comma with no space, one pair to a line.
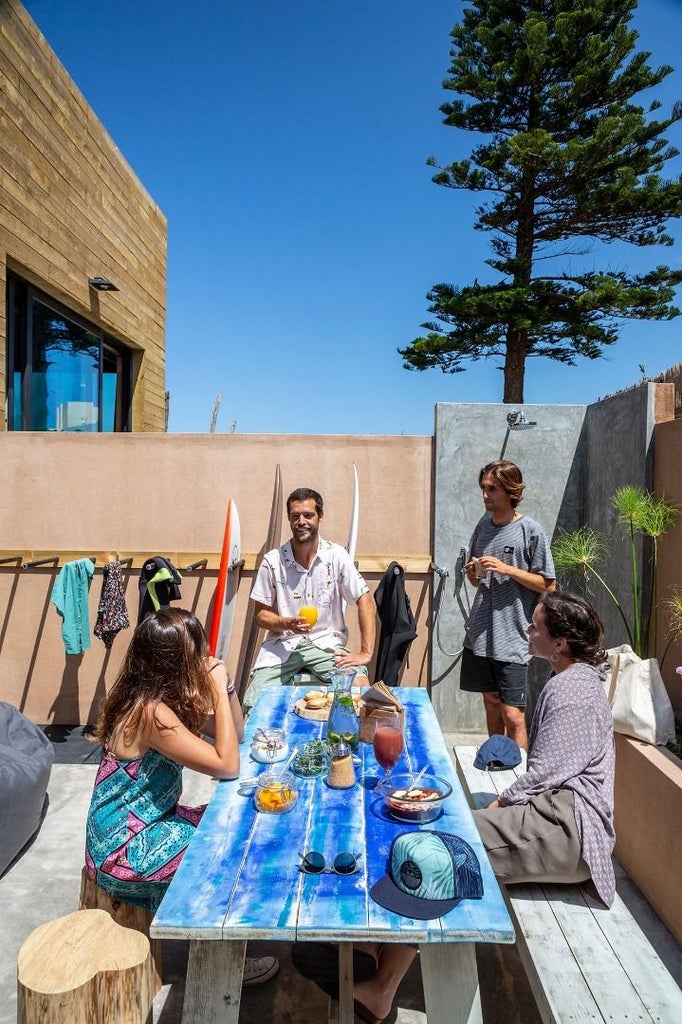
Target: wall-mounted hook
[201,564]
[53,559]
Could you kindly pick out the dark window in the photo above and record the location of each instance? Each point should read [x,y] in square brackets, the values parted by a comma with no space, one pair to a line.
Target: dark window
[62,373]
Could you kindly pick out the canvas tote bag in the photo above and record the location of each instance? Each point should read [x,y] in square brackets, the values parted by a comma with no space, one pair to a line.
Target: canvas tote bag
[639,700]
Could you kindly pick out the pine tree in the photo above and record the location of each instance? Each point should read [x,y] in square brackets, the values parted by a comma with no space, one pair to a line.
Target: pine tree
[569,161]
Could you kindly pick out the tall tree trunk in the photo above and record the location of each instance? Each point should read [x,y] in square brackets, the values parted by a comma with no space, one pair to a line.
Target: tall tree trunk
[514,366]
[517,338]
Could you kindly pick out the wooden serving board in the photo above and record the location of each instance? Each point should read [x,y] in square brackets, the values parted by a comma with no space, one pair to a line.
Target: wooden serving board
[314,714]
[319,714]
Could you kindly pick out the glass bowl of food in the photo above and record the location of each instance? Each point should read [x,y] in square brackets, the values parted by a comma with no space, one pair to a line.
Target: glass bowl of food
[276,794]
[312,759]
[414,804]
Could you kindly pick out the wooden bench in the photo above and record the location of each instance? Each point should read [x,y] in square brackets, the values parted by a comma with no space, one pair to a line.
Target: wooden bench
[584,962]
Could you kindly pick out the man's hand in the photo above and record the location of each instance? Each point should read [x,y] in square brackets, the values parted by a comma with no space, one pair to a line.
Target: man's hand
[348,659]
[267,618]
[470,570]
[298,624]
[488,563]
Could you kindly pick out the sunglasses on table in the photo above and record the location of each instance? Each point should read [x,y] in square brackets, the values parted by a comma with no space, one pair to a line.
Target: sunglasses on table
[313,863]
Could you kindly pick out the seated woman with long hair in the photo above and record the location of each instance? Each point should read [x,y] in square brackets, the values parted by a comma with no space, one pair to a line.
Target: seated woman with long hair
[555,823]
[167,693]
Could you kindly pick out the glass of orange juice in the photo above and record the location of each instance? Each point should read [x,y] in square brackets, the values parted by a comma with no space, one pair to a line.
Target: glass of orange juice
[309,613]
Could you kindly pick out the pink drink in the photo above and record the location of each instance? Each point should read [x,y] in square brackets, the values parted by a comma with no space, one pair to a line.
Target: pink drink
[388,746]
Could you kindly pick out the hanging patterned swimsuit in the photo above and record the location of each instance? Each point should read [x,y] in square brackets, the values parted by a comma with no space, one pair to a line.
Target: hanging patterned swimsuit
[136,832]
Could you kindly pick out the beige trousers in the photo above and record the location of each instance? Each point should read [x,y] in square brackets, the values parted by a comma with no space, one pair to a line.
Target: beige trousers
[537,841]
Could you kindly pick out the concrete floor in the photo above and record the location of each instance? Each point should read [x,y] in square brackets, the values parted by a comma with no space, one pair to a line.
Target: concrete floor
[44,881]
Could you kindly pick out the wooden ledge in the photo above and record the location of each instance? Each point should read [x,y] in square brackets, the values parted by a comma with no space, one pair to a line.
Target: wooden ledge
[412,564]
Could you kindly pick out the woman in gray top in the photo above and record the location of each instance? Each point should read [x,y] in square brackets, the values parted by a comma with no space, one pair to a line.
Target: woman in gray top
[555,823]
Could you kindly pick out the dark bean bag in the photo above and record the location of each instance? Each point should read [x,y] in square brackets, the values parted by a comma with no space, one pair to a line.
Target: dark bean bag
[26,757]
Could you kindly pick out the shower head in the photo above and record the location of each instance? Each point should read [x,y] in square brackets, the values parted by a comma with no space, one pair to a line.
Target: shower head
[517,421]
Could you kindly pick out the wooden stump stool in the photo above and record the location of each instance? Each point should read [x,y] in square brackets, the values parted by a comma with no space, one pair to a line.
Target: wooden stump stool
[92,897]
[85,969]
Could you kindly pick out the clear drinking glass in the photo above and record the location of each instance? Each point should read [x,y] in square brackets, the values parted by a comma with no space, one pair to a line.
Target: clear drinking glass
[388,742]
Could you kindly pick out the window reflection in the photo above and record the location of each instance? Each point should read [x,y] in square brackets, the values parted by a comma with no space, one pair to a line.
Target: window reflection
[65,377]
[63,374]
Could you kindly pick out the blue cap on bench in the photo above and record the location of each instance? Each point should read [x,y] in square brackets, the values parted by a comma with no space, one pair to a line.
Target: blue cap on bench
[428,874]
[497,753]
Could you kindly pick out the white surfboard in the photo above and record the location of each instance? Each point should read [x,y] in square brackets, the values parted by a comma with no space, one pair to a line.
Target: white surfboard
[354,521]
[355,516]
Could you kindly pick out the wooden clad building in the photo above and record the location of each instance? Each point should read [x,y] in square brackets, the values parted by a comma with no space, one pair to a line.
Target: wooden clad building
[74,221]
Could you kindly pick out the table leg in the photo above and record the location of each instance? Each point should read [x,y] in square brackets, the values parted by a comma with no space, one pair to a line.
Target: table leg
[450,983]
[214,982]
[342,1012]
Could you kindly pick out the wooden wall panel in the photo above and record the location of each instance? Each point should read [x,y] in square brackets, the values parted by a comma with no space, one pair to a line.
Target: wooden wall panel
[72,208]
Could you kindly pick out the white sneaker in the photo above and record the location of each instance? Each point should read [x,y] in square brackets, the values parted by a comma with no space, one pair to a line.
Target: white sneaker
[258,969]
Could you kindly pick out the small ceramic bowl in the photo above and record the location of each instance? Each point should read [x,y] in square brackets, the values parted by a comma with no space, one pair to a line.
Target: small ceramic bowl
[417,805]
[276,794]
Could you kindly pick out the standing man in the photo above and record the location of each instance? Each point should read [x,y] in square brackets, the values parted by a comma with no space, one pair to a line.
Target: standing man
[308,570]
[510,564]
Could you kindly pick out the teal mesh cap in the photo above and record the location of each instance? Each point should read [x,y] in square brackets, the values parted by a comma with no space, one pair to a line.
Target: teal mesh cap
[428,874]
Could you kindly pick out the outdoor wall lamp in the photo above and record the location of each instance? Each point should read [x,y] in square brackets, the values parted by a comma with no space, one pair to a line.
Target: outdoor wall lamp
[102,284]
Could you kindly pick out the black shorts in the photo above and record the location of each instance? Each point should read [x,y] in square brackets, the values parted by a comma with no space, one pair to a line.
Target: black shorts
[485,675]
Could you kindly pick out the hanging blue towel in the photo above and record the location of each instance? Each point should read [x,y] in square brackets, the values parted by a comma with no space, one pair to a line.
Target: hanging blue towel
[70,598]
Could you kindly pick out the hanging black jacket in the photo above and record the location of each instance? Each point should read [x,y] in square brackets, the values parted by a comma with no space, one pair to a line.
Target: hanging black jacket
[397,624]
[159,585]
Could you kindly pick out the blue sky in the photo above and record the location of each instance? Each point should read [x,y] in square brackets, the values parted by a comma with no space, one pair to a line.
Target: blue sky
[286,143]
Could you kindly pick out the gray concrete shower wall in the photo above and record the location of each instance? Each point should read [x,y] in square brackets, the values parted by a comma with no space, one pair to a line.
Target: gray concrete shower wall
[550,456]
[618,451]
[573,461]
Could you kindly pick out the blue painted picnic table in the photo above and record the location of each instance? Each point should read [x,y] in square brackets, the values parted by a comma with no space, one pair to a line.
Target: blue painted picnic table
[240,877]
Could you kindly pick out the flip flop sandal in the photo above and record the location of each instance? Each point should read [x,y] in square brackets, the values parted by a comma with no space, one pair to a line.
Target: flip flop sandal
[319,961]
[364,1014]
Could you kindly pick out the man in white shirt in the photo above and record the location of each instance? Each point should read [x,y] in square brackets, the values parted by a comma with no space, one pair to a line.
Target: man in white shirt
[308,571]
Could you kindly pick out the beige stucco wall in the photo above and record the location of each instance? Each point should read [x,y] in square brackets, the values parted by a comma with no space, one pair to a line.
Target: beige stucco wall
[648,802]
[145,494]
[71,208]
[668,481]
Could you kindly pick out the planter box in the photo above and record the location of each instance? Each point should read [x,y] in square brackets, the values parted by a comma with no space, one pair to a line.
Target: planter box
[648,813]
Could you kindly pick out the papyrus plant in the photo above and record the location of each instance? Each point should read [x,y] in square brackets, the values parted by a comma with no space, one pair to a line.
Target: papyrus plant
[584,552]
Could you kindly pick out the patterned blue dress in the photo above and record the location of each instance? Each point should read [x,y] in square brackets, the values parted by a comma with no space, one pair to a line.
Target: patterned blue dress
[136,831]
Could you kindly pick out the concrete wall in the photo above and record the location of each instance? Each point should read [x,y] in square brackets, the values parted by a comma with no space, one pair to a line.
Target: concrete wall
[141,494]
[573,461]
[550,457]
[619,450]
[77,495]
[71,208]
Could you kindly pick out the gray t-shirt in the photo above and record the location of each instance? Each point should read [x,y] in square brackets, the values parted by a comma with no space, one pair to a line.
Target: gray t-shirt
[502,608]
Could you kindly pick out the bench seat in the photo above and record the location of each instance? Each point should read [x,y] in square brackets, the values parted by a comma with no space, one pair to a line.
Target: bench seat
[585,962]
